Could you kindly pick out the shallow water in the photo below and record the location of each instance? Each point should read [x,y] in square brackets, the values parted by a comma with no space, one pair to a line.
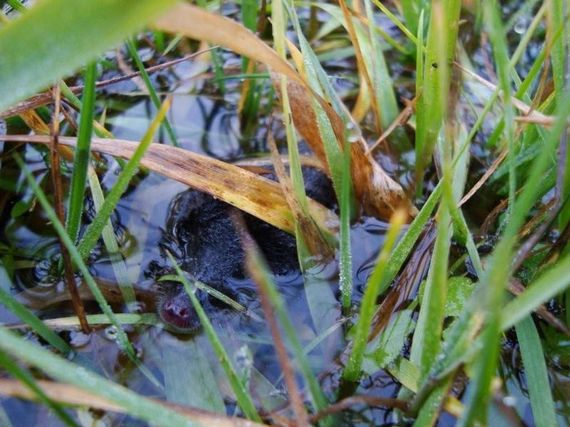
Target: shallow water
[180,372]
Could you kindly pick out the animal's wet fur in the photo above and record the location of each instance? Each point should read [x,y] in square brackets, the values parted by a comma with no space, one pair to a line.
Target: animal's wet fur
[202,237]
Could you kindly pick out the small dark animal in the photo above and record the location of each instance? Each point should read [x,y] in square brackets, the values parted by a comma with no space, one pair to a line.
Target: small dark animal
[202,236]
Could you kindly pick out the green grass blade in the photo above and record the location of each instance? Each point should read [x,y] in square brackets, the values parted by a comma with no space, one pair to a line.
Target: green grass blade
[558,53]
[243,398]
[427,337]
[111,244]
[411,11]
[407,242]
[420,57]
[431,107]
[497,275]
[428,413]
[151,90]
[38,37]
[31,319]
[96,227]
[308,232]
[541,402]
[216,58]
[545,287]
[258,263]
[189,379]
[75,256]
[16,5]
[29,381]
[252,98]
[354,366]
[279,28]
[345,261]
[67,372]
[374,62]
[500,53]
[409,34]
[108,234]
[320,83]
[82,153]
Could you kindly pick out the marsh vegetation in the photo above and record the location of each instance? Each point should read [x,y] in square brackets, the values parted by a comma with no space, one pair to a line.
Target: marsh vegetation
[284,213]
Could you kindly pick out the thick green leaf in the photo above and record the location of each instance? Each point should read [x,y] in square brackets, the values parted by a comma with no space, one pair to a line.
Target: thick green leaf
[389,343]
[28,317]
[458,293]
[432,106]
[66,371]
[541,290]
[56,37]
[82,154]
[536,374]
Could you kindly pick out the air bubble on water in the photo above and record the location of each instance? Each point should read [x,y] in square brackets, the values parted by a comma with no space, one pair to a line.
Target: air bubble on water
[139,352]
[111,333]
[521,26]
[136,307]
[510,401]
[352,133]
[244,358]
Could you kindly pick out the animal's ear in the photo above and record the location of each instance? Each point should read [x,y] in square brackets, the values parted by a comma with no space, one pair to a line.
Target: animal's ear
[187,203]
[184,210]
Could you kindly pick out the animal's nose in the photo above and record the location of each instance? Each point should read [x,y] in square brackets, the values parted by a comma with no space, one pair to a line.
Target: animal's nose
[175,309]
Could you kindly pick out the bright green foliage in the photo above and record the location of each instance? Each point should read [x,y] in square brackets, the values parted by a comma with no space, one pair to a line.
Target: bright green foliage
[536,374]
[82,153]
[36,38]
[432,105]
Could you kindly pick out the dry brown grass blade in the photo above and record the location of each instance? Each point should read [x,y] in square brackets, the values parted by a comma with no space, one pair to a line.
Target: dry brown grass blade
[379,194]
[46,97]
[76,396]
[401,120]
[484,178]
[254,267]
[39,298]
[371,401]
[407,283]
[245,190]
[58,198]
[362,70]
[310,231]
[530,114]
[199,24]
[261,164]
[35,122]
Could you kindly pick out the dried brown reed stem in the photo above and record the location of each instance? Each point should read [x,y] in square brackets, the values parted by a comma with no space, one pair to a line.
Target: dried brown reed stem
[72,395]
[76,301]
[372,401]
[254,267]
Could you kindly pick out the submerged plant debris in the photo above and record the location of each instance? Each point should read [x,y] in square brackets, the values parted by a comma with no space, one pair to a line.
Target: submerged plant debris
[279,213]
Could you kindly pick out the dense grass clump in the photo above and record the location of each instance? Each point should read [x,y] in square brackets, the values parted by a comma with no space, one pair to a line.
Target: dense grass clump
[434,291]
